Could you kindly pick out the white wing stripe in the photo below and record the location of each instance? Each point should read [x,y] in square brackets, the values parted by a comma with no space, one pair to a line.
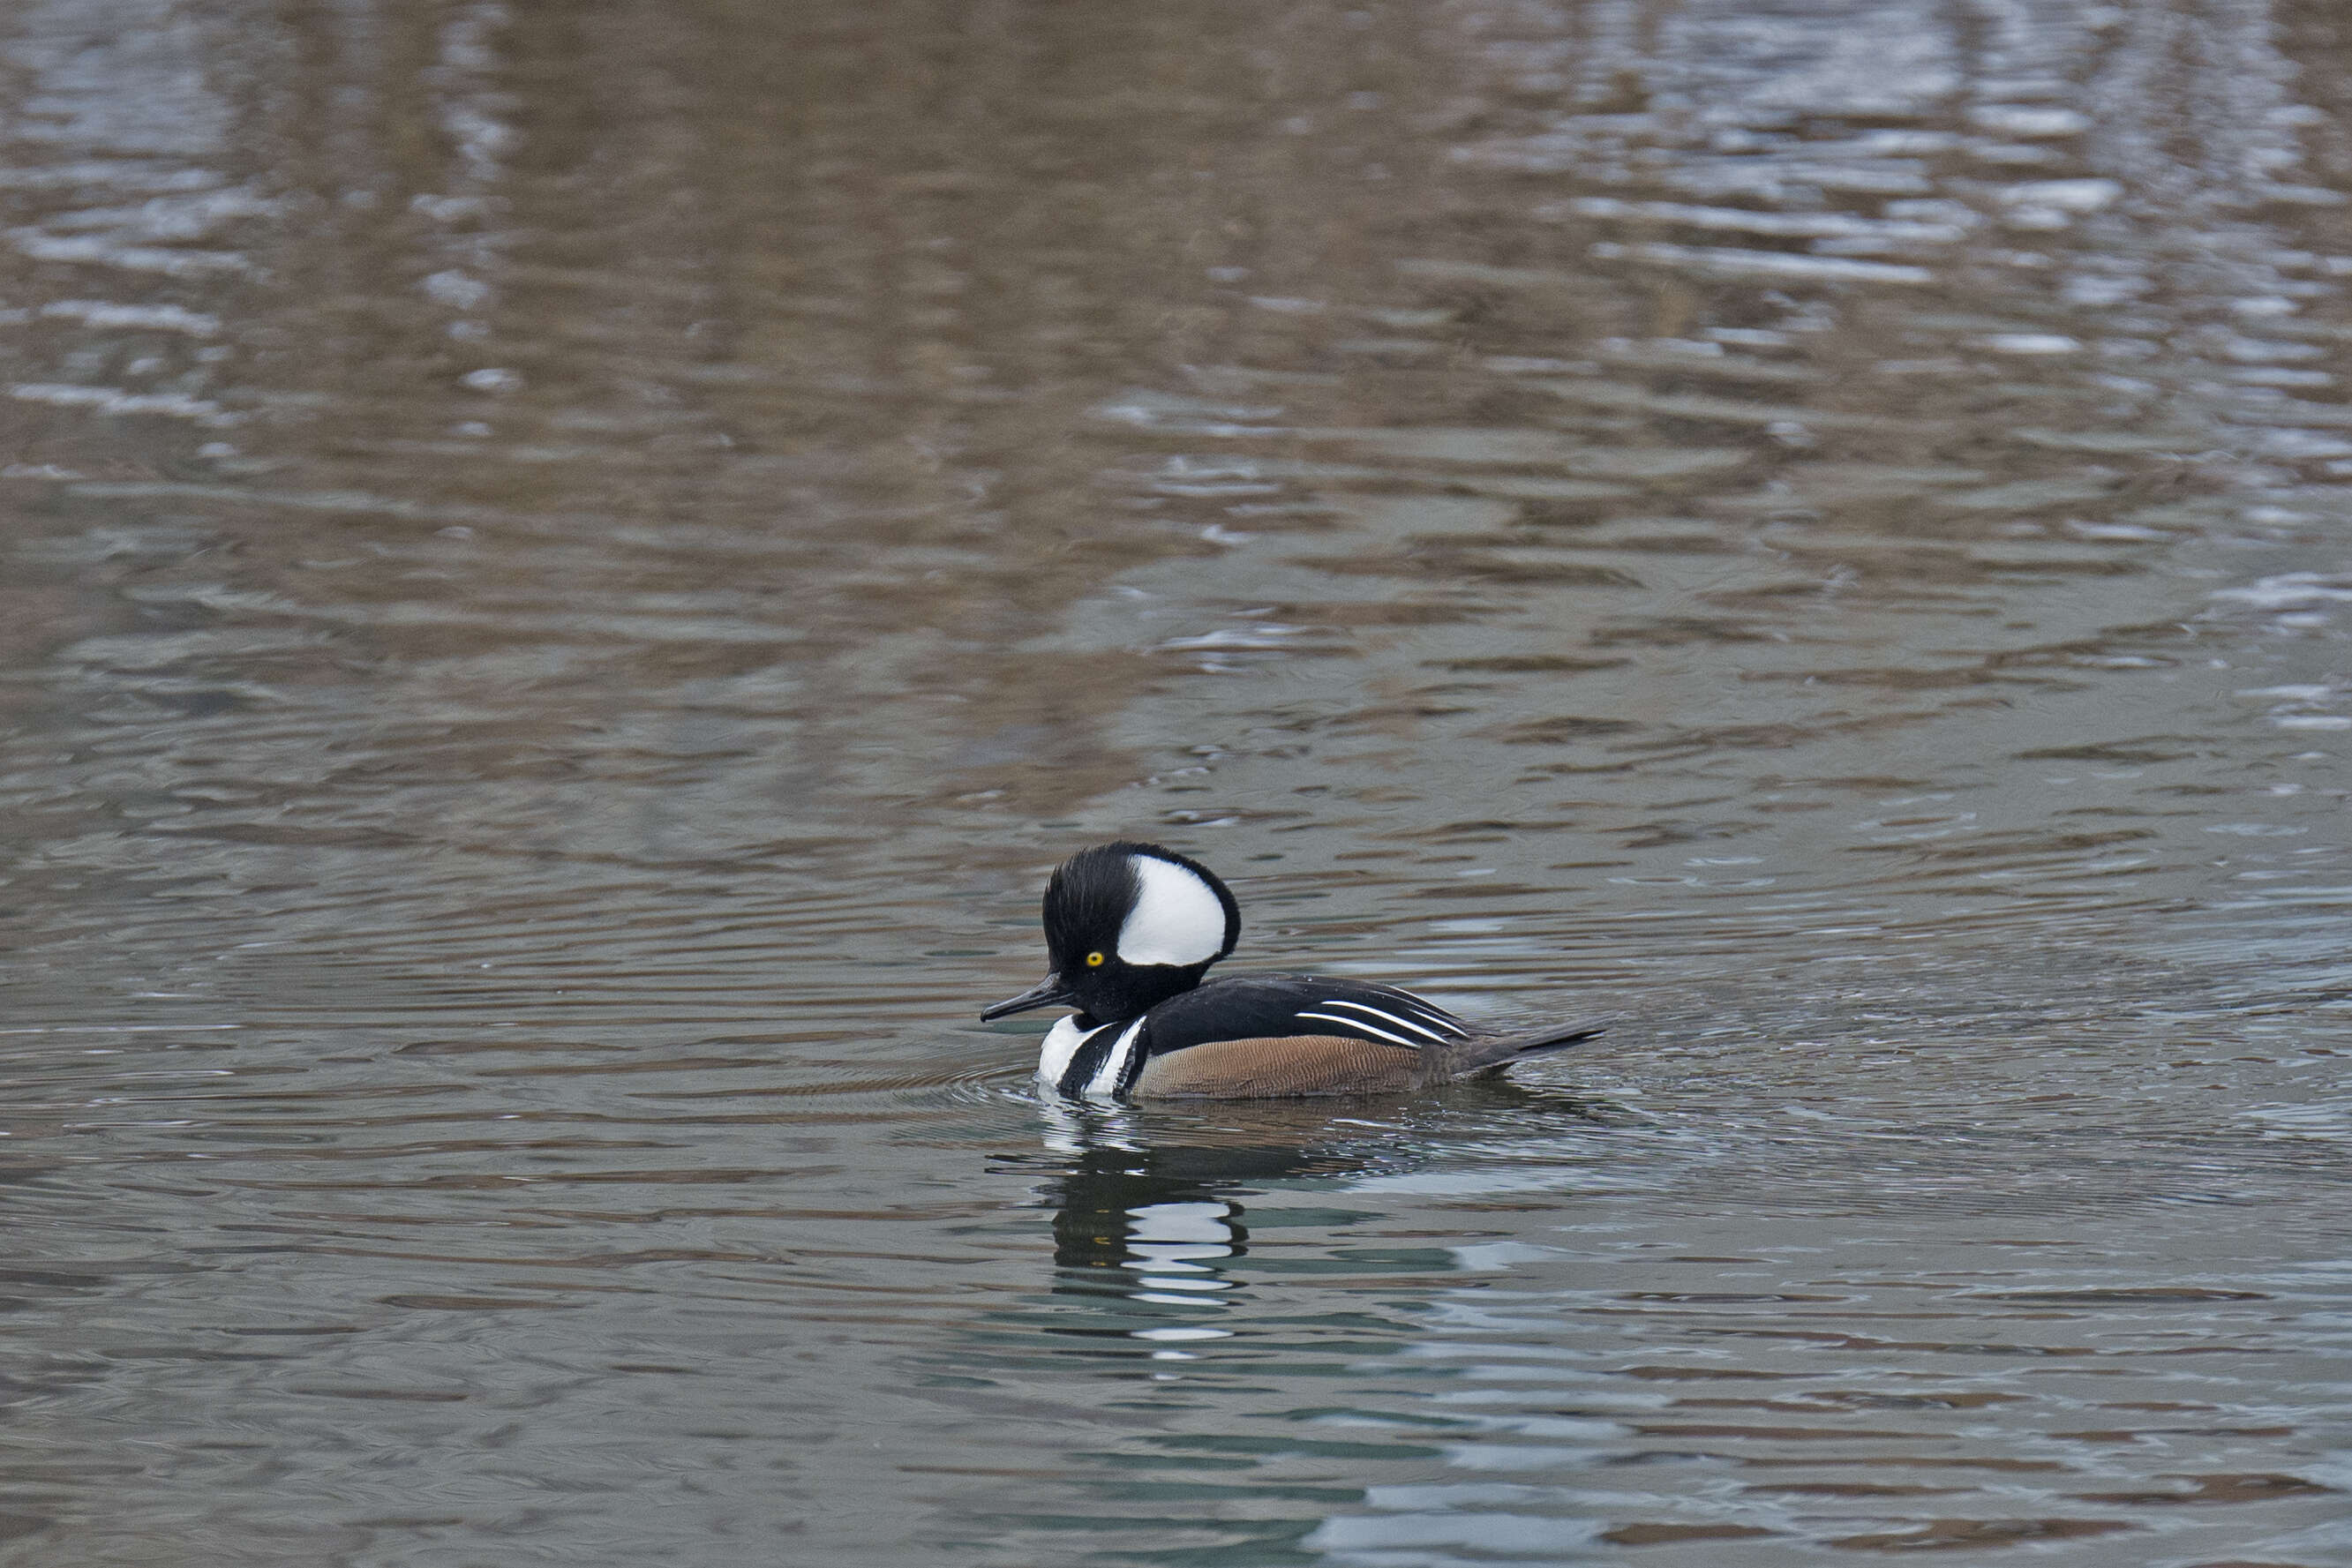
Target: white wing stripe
[1437,1016]
[1398,1019]
[1368,1028]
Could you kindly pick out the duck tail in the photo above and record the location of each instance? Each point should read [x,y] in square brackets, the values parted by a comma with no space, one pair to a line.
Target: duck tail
[1488,1054]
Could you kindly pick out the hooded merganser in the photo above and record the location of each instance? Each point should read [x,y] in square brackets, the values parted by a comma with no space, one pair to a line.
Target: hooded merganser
[1130,929]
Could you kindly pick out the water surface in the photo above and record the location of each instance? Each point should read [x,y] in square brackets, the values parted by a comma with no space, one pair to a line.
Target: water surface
[569,568]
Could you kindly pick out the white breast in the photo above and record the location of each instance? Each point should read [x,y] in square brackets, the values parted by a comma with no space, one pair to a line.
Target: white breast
[1065,1039]
[1061,1044]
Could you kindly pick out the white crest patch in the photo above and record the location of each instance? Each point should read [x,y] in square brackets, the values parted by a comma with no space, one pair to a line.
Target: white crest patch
[1176,918]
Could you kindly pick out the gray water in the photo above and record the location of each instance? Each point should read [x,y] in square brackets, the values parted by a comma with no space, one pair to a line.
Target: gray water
[569,568]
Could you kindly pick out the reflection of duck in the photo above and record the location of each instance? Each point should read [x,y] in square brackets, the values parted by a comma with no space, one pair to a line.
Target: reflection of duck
[1130,929]
[1121,1207]
[1148,1215]
[1158,1224]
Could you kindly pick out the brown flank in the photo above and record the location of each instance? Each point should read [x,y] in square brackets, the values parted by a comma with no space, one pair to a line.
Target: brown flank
[1281,1066]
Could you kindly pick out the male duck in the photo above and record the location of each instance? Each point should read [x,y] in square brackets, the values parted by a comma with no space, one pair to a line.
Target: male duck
[1130,929]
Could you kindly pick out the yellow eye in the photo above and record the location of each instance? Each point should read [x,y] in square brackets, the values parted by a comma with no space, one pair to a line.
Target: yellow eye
[1094,960]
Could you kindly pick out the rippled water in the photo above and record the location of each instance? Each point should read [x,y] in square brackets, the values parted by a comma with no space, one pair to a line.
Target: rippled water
[569,566]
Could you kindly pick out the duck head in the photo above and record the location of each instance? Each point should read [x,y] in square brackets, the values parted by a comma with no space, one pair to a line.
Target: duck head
[1128,926]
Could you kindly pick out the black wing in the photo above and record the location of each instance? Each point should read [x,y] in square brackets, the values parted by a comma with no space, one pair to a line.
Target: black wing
[1269,1007]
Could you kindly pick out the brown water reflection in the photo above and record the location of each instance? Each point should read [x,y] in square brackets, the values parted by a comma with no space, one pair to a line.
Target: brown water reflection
[568,566]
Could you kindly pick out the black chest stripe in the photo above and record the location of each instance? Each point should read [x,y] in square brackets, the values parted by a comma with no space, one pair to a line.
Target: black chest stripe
[1093,1051]
[1132,1068]
[1096,1049]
